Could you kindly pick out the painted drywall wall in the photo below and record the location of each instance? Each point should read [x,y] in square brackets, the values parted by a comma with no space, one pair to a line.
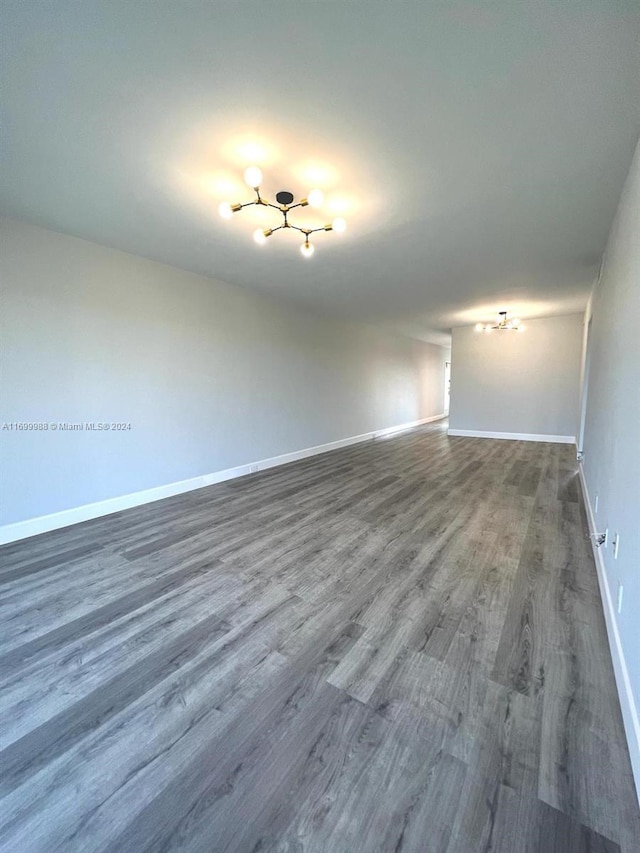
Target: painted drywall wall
[209,376]
[611,443]
[511,382]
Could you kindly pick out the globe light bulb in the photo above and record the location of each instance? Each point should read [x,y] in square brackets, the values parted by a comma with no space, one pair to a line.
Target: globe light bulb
[306,249]
[515,322]
[479,327]
[253,177]
[225,210]
[315,198]
[487,329]
[259,236]
[339,224]
[520,329]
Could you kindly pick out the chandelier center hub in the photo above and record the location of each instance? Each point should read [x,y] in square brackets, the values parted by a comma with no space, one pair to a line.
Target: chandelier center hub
[284,197]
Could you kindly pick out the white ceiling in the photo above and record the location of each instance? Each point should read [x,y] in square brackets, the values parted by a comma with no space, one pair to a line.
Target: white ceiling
[477,149]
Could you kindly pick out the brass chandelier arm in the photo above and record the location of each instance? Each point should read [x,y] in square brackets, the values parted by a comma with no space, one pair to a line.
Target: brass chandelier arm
[308,231]
[241,205]
[283,208]
[303,203]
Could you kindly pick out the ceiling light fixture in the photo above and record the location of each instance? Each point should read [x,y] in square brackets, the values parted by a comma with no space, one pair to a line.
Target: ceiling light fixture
[503,324]
[284,199]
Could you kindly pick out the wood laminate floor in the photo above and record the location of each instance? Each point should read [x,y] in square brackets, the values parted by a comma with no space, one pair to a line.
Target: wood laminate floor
[393,647]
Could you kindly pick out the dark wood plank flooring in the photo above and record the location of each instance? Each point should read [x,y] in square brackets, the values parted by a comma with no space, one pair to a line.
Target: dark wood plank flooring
[394,647]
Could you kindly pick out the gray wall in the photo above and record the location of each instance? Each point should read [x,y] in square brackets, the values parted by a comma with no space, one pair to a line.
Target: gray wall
[210,376]
[522,382]
[612,429]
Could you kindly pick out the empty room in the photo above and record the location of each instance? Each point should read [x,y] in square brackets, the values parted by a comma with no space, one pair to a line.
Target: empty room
[320,426]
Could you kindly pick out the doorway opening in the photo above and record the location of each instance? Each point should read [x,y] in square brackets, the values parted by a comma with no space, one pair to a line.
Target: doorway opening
[584,391]
[447,386]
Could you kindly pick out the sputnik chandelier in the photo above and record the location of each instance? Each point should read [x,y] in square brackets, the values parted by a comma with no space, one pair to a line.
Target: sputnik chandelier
[503,325]
[253,179]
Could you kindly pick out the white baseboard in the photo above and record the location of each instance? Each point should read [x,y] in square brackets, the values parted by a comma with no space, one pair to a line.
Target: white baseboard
[628,705]
[45,523]
[382,433]
[515,436]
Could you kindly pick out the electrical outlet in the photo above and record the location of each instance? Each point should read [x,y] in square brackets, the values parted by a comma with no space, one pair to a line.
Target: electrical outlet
[620,591]
[595,509]
[253,469]
[616,545]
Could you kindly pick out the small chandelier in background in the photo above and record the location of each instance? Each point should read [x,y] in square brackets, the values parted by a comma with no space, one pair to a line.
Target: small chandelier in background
[503,324]
[253,179]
